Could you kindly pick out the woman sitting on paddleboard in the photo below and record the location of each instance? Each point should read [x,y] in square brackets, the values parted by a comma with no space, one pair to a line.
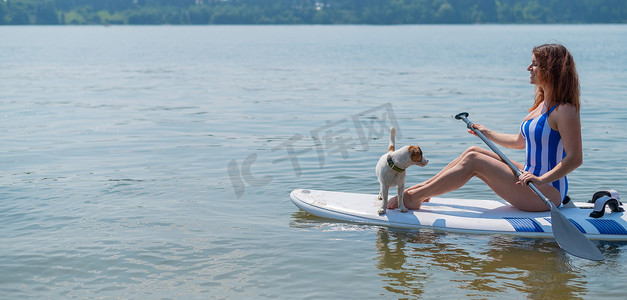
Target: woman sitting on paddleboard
[551,135]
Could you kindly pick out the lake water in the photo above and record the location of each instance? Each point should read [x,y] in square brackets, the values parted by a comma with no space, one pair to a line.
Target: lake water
[156,162]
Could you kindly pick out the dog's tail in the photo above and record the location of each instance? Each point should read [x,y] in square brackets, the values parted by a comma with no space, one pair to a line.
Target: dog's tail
[392,138]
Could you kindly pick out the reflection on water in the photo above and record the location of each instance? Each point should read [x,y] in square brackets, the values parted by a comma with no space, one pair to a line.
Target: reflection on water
[415,262]
[537,268]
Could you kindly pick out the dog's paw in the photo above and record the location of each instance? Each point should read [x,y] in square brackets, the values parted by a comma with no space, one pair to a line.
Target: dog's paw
[381,211]
[380,197]
[403,209]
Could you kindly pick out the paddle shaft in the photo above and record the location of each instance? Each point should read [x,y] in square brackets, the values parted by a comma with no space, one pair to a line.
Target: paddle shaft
[567,236]
[517,172]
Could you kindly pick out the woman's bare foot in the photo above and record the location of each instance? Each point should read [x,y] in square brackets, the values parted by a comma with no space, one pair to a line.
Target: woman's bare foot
[409,201]
[393,202]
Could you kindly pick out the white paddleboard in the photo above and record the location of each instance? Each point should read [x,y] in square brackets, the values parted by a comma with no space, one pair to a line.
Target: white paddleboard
[459,215]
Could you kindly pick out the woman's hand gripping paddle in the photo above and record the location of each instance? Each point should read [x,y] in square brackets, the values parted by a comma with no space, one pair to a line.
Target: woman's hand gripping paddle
[566,234]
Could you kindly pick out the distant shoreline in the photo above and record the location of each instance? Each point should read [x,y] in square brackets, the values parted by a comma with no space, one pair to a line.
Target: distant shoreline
[296,25]
[310,12]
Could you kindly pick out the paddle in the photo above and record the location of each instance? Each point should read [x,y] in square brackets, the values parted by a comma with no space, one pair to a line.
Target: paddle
[566,234]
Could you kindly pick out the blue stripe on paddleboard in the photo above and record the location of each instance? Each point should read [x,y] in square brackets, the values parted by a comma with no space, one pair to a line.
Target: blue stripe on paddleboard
[574,223]
[524,224]
[605,226]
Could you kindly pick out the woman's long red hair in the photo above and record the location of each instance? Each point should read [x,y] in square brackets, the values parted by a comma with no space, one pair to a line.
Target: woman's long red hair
[557,77]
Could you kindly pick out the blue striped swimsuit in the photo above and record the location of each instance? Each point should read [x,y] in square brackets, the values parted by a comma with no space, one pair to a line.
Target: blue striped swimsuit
[544,149]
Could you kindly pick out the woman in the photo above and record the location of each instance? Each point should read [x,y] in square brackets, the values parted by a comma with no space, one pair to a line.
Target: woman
[550,133]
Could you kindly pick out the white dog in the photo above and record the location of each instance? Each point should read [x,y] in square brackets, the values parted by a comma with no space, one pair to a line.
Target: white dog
[391,170]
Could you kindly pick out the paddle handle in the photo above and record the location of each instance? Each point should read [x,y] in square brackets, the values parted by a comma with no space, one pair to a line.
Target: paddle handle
[464,117]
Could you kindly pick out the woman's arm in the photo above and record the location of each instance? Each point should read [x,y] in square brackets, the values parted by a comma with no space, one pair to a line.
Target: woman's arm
[513,141]
[567,121]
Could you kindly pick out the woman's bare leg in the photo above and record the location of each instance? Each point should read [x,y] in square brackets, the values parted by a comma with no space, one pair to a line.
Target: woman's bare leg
[455,162]
[393,200]
[478,162]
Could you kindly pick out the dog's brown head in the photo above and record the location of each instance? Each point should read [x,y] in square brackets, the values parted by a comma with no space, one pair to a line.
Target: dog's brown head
[417,157]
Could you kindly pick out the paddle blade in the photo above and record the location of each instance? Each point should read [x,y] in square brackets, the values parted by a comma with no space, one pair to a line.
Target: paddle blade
[571,239]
